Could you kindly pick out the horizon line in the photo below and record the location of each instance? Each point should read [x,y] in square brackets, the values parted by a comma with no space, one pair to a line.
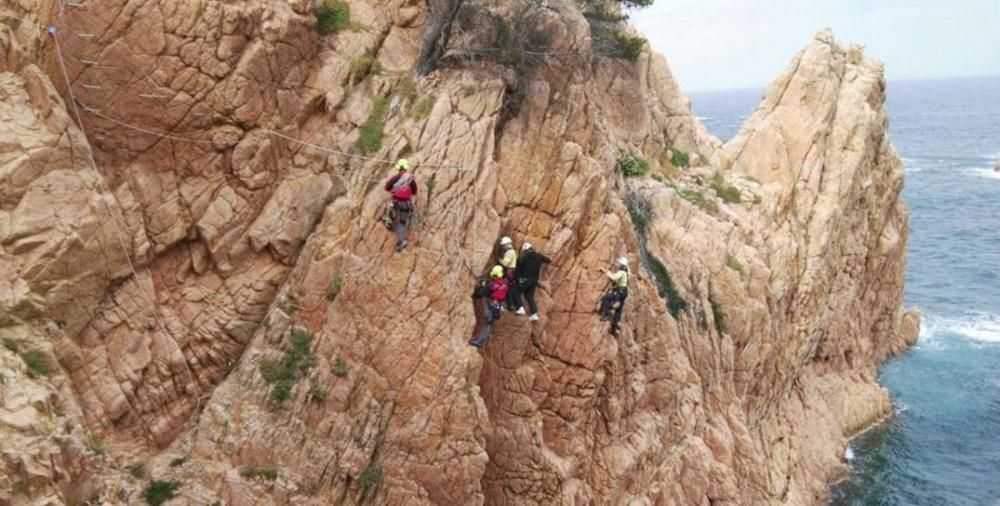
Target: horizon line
[761,87]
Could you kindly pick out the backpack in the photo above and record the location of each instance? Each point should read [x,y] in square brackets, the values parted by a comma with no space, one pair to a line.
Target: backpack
[401,190]
[482,287]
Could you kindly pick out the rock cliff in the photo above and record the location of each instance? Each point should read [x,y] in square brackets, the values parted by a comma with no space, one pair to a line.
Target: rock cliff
[195,285]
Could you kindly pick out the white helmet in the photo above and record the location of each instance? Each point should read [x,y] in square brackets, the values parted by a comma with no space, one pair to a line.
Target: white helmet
[526,246]
[505,241]
[623,261]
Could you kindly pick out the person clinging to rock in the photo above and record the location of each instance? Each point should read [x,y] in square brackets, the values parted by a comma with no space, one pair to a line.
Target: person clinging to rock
[508,259]
[528,269]
[496,295]
[403,188]
[618,277]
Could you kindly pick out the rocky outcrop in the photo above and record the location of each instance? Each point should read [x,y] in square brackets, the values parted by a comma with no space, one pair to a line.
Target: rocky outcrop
[222,305]
[996,168]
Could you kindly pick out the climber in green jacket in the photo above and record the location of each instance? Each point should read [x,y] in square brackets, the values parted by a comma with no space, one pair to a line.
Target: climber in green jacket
[618,277]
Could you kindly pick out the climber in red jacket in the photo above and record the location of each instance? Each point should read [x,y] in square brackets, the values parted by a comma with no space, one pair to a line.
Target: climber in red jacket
[403,189]
[497,289]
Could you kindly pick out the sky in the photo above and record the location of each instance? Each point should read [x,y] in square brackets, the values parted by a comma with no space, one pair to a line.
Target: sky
[725,44]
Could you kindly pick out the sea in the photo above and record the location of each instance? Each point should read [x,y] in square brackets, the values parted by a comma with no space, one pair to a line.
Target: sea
[942,446]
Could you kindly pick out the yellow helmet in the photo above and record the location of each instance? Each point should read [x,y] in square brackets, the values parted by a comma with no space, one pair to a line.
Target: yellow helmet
[402,164]
[496,271]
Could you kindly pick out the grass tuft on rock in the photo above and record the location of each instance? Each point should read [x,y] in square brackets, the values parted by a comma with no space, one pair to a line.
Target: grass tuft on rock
[370,140]
[423,108]
[317,394]
[408,90]
[137,470]
[159,492]
[364,66]
[283,374]
[267,473]
[728,193]
[371,477]
[679,159]
[333,16]
[339,368]
[334,288]
[666,288]
[12,344]
[720,324]
[97,446]
[734,264]
[38,363]
[179,461]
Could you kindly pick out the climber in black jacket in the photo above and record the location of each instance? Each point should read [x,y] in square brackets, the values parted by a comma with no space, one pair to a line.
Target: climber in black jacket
[529,266]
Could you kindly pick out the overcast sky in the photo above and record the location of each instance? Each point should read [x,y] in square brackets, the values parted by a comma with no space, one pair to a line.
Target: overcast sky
[721,44]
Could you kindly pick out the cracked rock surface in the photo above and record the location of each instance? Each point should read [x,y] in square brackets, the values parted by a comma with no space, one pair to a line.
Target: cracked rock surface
[167,289]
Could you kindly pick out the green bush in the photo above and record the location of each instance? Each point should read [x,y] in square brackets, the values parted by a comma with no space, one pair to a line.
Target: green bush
[334,289]
[679,159]
[179,461]
[423,108]
[728,193]
[339,368]
[333,16]
[666,288]
[632,166]
[317,394]
[734,264]
[693,196]
[615,44]
[370,140]
[268,473]
[137,470]
[159,492]
[371,477]
[38,363]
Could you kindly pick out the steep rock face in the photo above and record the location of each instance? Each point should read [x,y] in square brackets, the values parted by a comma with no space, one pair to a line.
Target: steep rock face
[226,136]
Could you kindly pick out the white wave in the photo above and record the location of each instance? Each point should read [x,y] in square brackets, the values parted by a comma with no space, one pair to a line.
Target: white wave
[983,172]
[983,327]
[912,170]
[849,453]
[704,118]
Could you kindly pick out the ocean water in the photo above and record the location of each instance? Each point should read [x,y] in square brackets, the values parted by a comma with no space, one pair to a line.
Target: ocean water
[943,445]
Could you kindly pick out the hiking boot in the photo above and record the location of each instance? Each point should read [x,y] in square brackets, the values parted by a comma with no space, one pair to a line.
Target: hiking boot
[614,330]
[474,343]
[387,221]
[520,311]
[533,317]
[605,317]
[400,245]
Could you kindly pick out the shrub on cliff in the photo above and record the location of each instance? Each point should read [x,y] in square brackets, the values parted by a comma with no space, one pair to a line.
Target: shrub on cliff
[38,363]
[371,477]
[728,193]
[159,492]
[333,16]
[632,166]
[283,374]
[679,159]
[268,473]
[370,140]
[666,288]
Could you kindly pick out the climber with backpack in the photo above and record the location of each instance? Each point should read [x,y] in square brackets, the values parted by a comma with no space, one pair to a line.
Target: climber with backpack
[403,188]
[528,269]
[508,260]
[618,279]
[495,292]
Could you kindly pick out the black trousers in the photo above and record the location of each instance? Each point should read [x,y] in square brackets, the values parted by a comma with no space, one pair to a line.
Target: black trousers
[527,288]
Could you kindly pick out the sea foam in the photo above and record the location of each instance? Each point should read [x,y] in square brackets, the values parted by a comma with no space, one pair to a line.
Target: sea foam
[983,327]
